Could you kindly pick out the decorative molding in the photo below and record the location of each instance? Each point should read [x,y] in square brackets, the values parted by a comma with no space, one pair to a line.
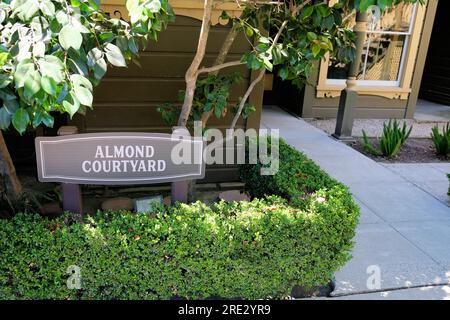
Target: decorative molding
[328,91]
[188,8]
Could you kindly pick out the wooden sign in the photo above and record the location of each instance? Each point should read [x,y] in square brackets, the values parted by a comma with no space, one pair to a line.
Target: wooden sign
[119,158]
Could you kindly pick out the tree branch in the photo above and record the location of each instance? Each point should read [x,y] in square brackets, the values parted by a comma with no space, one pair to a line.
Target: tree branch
[218,67]
[258,78]
[246,96]
[191,74]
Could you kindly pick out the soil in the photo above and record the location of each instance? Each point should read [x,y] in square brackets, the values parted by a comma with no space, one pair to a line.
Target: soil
[413,151]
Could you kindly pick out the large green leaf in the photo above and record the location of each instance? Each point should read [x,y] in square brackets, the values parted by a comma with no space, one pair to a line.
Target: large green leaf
[69,37]
[5,80]
[32,84]
[20,120]
[11,105]
[71,104]
[100,68]
[114,55]
[82,89]
[50,67]
[27,10]
[47,7]
[23,68]
[49,85]
[43,117]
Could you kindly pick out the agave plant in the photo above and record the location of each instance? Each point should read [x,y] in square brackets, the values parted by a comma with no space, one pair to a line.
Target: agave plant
[441,140]
[391,140]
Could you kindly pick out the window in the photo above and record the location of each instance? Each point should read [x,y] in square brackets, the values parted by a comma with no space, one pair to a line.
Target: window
[385,49]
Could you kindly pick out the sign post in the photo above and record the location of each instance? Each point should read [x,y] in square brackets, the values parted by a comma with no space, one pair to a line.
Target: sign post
[72,198]
[118,159]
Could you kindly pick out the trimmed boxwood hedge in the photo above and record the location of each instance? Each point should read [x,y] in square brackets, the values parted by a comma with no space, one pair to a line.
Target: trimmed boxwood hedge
[256,249]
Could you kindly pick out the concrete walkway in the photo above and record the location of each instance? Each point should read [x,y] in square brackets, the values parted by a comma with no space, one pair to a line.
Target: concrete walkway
[404,230]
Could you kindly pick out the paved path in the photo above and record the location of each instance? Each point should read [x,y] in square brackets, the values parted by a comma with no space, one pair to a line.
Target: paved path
[404,230]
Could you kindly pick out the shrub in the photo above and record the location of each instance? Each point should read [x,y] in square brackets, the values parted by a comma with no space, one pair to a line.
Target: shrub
[391,140]
[441,140]
[253,250]
[297,176]
[257,249]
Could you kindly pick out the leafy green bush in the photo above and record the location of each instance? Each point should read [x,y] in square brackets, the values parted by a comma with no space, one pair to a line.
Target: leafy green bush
[391,140]
[257,249]
[441,140]
[297,176]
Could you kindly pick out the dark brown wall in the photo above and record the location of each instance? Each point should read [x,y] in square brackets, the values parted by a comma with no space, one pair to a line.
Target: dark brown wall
[127,98]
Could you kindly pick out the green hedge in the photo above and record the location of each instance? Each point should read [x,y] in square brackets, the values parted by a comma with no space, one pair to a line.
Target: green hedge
[257,249]
[297,177]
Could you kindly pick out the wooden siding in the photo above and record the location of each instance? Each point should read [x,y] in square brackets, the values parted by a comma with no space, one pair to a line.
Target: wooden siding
[127,98]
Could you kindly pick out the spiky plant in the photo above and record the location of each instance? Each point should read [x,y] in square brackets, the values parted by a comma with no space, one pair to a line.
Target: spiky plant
[391,140]
[441,140]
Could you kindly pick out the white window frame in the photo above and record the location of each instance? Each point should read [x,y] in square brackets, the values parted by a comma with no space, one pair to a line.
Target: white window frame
[384,83]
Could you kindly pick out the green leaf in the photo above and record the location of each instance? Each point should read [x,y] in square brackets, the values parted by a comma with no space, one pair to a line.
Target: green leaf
[283,73]
[51,67]
[11,105]
[311,36]
[83,95]
[324,10]
[316,49]
[5,80]
[20,120]
[133,46]
[79,80]
[3,58]
[47,7]
[5,119]
[49,85]
[93,56]
[43,117]
[78,66]
[71,104]
[154,6]
[32,84]
[268,64]
[306,12]
[249,32]
[114,55]
[69,37]
[100,68]
[27,10]
[22,70]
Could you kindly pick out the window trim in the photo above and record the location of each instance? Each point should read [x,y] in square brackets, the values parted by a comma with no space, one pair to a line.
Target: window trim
[398,89]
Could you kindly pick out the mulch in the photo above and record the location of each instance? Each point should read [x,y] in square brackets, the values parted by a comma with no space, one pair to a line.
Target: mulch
[413,151]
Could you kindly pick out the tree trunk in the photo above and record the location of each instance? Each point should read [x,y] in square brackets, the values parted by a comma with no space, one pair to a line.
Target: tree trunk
[192,72]
[9,182]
